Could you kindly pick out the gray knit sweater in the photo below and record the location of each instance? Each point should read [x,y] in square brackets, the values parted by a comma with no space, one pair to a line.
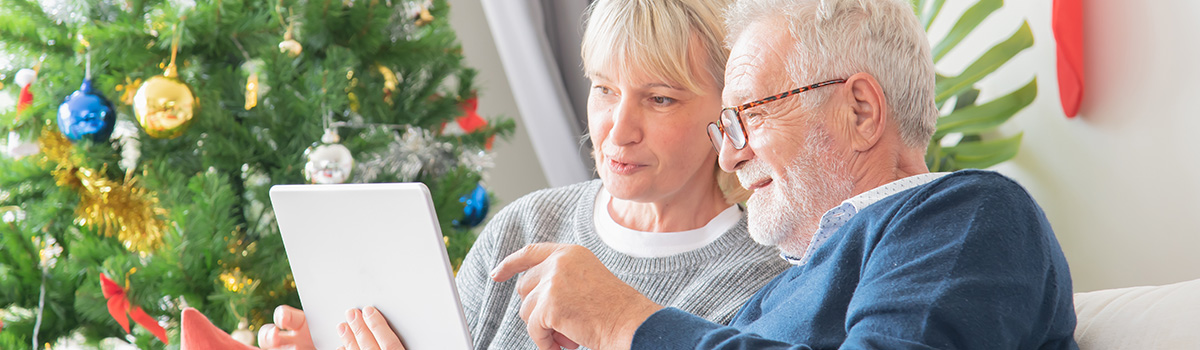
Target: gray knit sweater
[710,282]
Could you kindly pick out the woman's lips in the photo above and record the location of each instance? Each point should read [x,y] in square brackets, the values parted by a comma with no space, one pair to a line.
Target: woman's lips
[621,168]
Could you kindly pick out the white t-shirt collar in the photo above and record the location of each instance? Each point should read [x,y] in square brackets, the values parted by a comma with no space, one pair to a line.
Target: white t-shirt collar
[642,244]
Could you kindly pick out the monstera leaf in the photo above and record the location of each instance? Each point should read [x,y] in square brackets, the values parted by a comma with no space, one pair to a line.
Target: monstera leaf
[970,122]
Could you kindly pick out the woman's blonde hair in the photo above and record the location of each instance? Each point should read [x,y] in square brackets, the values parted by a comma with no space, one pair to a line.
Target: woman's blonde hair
[731,187]
[655,37]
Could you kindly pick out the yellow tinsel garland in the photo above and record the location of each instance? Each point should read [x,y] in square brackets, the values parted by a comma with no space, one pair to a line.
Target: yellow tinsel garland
[116,208]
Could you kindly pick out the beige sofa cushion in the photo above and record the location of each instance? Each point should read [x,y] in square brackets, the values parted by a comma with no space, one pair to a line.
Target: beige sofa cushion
[1155,317]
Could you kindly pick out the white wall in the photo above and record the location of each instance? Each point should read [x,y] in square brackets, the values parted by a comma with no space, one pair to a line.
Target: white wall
[1120,182]
[517,170]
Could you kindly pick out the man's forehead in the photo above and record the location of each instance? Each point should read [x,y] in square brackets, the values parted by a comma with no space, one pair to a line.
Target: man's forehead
[755,65]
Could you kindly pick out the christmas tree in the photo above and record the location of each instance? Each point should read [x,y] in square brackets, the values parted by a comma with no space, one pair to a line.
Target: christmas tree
[146,136]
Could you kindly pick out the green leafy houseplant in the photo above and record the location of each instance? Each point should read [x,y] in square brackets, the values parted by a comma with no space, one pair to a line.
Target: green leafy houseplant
[970,118]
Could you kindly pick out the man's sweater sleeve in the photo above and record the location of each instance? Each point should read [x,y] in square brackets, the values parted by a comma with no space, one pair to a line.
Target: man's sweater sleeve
[672,328]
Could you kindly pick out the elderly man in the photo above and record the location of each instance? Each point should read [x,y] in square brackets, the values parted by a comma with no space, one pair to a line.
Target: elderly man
[886,254]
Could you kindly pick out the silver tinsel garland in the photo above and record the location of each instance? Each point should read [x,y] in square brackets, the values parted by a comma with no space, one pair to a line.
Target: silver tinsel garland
[418,152]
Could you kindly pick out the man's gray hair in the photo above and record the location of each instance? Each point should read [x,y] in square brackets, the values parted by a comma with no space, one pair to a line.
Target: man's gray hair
[838,38]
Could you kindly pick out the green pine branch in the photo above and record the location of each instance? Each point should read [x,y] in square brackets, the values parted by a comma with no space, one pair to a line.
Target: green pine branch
[212,181]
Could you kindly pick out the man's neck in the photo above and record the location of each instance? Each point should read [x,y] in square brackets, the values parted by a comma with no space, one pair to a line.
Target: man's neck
[794,246]
[869,170]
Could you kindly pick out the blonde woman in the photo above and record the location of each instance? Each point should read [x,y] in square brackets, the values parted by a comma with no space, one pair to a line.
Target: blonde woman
[659,218]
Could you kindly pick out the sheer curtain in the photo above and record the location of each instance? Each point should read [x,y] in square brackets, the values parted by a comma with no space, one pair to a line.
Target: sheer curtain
[538,43]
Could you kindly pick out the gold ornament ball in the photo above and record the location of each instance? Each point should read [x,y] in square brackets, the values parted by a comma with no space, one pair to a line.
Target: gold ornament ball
[165,106]
[291,47]
[243,334]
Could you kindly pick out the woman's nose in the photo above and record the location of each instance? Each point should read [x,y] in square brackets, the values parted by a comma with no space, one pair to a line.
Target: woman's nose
[627,123]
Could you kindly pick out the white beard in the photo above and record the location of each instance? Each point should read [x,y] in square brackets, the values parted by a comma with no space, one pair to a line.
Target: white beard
[785,213]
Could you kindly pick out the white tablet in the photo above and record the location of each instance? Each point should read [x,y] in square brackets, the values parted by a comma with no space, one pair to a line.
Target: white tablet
[358,245]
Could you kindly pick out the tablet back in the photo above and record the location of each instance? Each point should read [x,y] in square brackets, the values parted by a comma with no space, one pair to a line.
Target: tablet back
[358,245]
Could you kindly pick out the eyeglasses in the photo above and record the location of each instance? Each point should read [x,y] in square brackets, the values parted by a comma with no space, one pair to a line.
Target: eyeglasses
[730,122]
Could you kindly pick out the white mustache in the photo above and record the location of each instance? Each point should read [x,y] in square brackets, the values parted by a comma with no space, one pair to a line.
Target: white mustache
[753,172]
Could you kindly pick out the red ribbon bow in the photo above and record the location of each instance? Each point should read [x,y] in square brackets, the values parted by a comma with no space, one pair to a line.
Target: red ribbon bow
[119,306]
[470,120]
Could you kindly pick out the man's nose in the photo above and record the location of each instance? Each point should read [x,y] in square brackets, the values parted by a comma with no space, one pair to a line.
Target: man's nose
[732,159]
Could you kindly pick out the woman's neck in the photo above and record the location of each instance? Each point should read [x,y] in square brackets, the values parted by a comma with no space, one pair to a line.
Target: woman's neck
[686,210]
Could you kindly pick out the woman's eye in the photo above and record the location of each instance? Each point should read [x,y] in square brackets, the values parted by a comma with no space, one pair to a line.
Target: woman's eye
[602,90]
[662,101]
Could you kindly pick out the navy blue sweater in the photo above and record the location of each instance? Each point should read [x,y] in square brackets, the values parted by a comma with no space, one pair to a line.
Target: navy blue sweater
[967,261]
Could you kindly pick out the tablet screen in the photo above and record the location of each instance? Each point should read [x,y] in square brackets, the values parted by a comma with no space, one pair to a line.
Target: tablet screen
[358,245]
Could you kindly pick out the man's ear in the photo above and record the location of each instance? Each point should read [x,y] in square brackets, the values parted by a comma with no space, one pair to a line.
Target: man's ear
[869,108]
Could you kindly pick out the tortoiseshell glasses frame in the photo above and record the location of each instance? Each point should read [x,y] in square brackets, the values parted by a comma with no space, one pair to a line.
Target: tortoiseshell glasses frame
[729,124]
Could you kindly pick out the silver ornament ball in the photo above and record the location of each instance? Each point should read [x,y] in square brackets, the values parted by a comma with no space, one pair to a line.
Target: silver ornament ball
[328,162]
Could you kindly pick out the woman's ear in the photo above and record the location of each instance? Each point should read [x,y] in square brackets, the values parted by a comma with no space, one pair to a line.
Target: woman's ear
[869,108]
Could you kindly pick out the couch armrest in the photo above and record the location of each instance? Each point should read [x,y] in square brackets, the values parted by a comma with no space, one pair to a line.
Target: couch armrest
[1152,317]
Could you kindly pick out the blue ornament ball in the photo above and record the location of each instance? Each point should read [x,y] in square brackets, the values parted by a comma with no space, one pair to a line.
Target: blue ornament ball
[475,207]
[86,113]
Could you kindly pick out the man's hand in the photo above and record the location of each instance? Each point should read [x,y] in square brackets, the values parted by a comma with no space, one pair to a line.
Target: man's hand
[569,298]
[289,332]
[366,329]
